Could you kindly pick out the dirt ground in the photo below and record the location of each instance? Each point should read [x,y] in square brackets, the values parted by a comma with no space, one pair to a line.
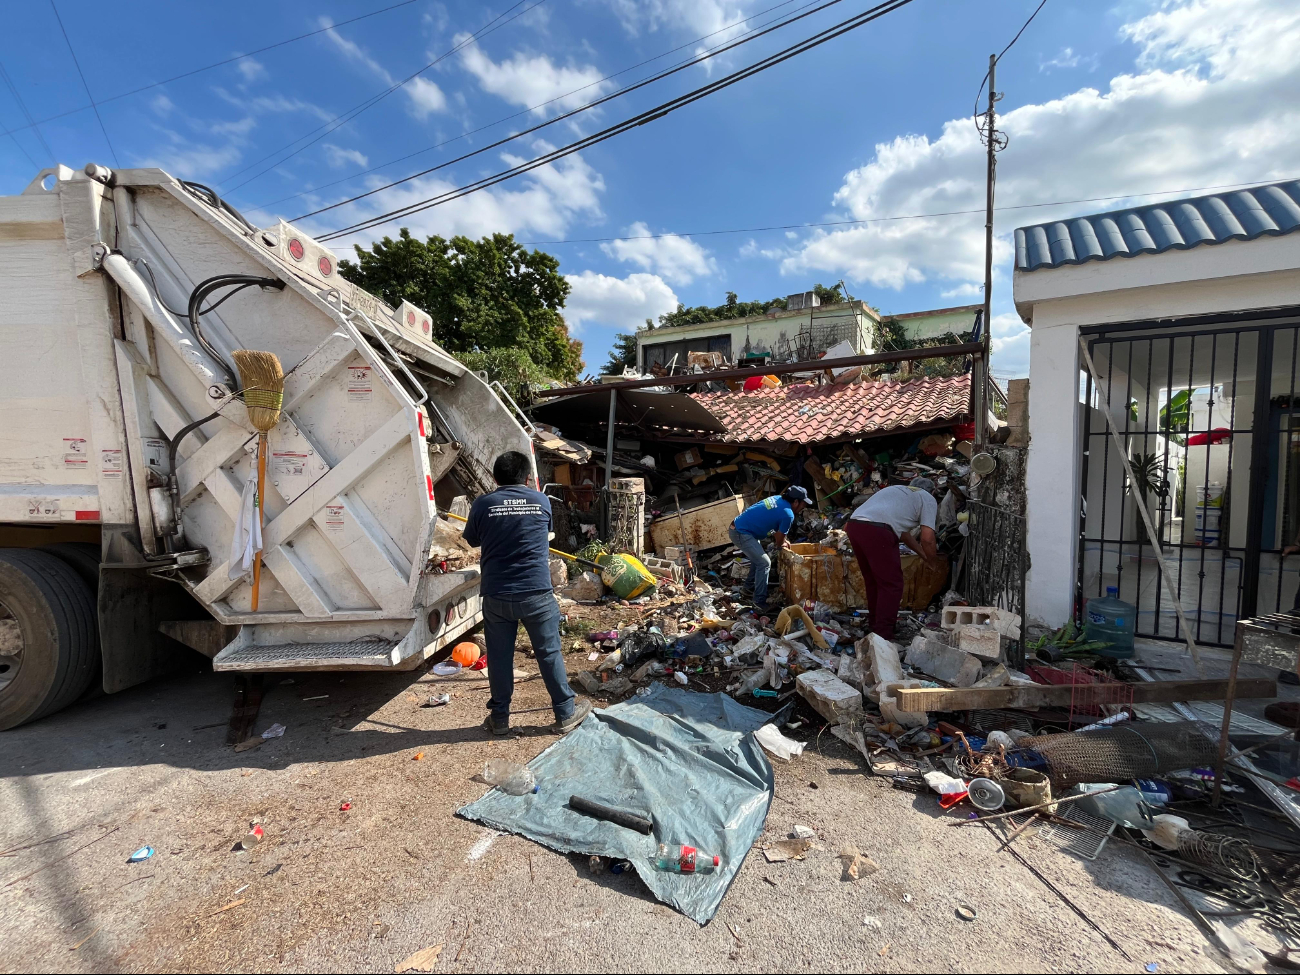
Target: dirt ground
[361,890]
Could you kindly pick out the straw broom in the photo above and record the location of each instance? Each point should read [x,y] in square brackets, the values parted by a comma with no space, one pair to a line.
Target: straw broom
[262,378]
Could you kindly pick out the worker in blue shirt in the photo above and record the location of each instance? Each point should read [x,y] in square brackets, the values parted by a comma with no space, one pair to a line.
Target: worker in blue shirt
[512,525]
[772,516]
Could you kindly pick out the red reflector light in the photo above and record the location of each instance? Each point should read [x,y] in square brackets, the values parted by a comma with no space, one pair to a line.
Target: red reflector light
[425,325]
[87,516]
[326,267]
[421,416]
[427,477]
[410,318]
[296,250]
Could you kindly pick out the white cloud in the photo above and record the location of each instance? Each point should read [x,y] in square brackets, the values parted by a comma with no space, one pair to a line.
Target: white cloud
[424,96]
[1213,100]
[1065,58]
[543,202]
[531,80]
[968,289]
[699,17]
[1010,340]
[236,130]
[251,70]
[677,259]
[619,304]
[161,104]
[191,160]
[337,156]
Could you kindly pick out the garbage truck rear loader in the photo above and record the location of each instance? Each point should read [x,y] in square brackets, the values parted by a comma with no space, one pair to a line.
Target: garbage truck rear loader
[127,447]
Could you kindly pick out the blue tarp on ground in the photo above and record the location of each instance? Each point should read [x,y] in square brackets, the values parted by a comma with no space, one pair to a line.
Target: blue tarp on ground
[688,761]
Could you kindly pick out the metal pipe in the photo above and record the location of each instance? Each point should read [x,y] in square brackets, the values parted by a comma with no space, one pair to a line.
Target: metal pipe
[165,324]
[812,365]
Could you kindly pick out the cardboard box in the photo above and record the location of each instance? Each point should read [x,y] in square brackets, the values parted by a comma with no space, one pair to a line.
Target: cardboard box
[689,458]
[562,474]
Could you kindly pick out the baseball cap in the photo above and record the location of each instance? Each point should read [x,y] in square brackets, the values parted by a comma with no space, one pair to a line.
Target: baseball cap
[924,483]
[796,493]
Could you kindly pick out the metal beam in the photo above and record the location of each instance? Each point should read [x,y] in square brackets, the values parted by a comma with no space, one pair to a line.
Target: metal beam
[811,365]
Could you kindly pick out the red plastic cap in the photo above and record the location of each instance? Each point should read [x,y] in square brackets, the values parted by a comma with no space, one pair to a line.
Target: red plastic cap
[717,861]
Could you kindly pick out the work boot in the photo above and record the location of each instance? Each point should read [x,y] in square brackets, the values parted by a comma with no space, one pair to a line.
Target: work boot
[490,724]
[582,709]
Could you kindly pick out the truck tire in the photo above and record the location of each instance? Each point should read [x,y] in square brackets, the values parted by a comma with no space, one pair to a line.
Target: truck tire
[55,615]
[82,556]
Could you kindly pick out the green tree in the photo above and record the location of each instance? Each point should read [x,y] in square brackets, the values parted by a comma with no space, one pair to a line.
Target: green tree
[623,354]
[481,295]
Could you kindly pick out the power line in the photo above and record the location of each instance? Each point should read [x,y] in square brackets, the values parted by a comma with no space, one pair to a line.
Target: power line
[690,62]
[1004,51]
[208,67]
[908,216]
[525,111]
[350,114]
[22,106]
[82,74]
[643,118]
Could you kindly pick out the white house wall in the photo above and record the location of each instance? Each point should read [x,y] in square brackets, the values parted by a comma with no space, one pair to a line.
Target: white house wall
[1225,278]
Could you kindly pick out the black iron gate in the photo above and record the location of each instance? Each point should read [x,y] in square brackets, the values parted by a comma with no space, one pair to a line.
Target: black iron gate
[1208,414]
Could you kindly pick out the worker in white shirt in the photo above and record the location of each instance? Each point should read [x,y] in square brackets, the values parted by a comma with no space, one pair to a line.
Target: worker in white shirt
[900,512]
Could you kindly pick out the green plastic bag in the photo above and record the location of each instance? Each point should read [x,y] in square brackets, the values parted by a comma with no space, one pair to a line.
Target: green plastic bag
[625,576]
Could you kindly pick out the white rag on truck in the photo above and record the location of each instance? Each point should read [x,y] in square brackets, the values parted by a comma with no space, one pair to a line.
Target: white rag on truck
[248,530]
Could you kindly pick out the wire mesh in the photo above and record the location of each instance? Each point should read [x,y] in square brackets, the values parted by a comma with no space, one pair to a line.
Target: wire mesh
[1123,752]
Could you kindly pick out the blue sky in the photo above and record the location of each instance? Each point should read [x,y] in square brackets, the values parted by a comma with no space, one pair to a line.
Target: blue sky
[1101,100]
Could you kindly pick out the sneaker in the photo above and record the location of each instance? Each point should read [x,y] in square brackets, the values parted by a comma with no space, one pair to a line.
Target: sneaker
[490,724]
[582,709]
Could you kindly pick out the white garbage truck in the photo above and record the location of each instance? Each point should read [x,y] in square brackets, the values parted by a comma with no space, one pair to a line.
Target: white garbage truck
[127,446]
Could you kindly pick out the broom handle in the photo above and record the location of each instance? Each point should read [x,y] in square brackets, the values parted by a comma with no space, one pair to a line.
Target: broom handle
[553,551]
[261,501]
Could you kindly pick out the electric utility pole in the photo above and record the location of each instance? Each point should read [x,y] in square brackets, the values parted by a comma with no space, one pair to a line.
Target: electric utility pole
[996,142]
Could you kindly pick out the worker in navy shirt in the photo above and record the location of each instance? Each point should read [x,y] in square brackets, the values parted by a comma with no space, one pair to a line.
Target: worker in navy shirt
[512,525]
[772,516]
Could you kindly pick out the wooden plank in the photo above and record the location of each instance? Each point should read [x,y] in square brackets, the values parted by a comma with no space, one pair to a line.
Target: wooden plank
[814,467]
[1058,695]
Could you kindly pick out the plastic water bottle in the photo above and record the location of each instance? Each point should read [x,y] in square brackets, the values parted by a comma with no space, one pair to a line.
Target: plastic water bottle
[1111,620]
[685,859]
[516,780]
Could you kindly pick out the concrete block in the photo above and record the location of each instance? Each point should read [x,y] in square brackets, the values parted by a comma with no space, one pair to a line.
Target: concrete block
[981,639]
[559,573]
[932,655]
[829,696]
[1007,623]
[585,588]
[955,616]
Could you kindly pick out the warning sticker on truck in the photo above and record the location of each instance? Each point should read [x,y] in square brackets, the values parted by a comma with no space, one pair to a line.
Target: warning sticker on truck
[360,387]
[334,518]
[288,463]
[42,507]
[110,463]
[74,452]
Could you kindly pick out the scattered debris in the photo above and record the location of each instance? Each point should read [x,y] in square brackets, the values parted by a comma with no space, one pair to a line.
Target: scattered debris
[787,849]
[275,731]
[140,855]
[856,866]
[422,961]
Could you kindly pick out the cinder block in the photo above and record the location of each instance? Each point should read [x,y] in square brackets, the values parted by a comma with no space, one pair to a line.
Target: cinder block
[981,639]
[932,655]
[955,616]
[1007,623]
[829,696]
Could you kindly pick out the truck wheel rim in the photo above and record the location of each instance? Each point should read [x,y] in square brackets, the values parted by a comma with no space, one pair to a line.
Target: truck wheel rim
[11,654]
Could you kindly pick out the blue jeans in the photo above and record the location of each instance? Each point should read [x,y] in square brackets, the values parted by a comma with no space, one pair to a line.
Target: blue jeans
[540,615]
[760,563]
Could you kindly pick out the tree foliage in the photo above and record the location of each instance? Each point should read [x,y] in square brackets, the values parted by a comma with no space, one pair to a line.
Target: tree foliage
[481,295]
[623,354]
[733,307]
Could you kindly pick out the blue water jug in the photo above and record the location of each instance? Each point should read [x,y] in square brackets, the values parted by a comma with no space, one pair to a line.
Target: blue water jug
[1111,620]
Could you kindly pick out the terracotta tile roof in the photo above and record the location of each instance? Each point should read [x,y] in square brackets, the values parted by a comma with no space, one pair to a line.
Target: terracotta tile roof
[809,414]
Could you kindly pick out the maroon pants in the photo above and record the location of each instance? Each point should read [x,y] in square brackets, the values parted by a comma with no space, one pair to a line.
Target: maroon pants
[876,549]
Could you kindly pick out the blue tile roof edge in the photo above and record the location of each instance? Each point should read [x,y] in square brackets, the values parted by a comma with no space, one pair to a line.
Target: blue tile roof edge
[1269,210]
